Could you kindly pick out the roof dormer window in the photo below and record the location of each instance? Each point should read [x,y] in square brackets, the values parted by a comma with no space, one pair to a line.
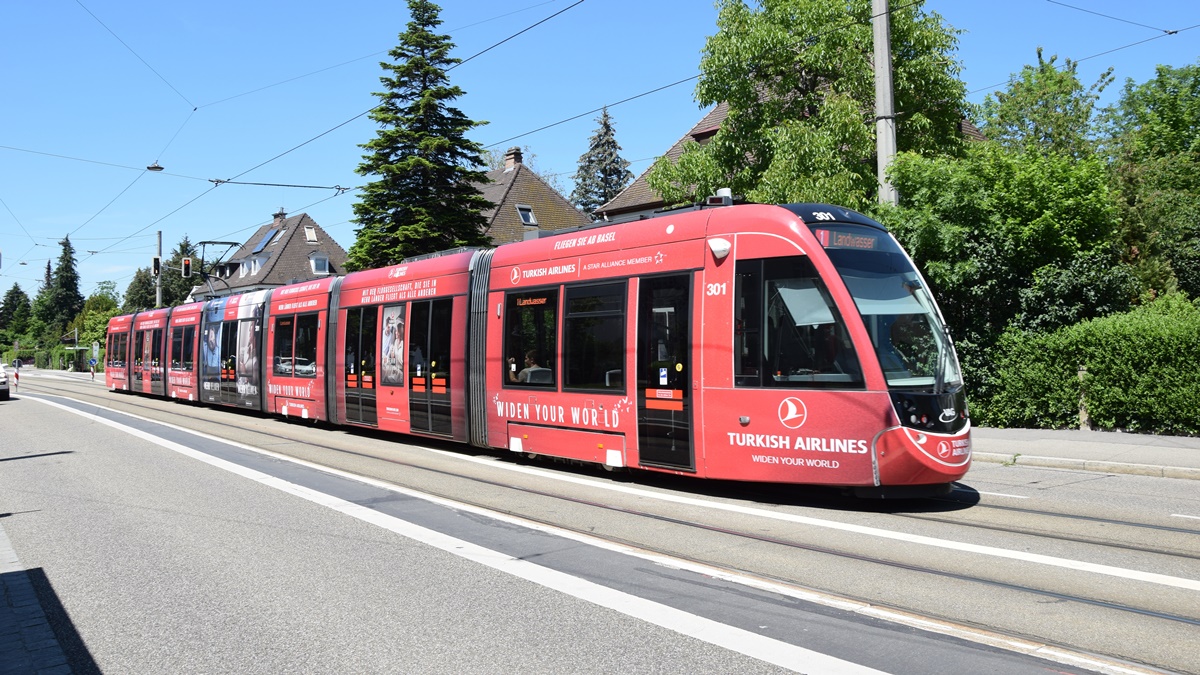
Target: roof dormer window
[527,216]
[320,264]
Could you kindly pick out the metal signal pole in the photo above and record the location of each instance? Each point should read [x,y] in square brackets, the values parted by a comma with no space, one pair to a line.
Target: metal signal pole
[885,109]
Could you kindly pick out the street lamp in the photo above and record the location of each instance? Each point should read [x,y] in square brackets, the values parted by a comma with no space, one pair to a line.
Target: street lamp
[154,167]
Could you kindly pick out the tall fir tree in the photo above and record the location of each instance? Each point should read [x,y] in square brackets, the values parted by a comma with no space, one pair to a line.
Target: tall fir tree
[425,196]
[602,172]
[60,300]
[14,312]
[39,323]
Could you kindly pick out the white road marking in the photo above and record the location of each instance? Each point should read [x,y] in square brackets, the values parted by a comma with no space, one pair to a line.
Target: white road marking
[996,494]
[1066,563]
[1181,515]
[756,646]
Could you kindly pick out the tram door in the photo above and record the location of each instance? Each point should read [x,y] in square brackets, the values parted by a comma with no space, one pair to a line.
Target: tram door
[361,338]
[139,359]
[664,371]
[155,359]
[429,366]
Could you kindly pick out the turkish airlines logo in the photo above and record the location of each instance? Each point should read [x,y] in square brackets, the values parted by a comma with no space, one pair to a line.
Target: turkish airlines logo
[792,412]
[944,450]
[515,276]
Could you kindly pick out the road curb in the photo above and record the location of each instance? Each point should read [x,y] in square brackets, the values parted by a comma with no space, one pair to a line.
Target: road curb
[1187,473]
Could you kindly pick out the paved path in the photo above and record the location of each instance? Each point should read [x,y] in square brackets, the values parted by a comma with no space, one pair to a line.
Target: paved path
[28,644]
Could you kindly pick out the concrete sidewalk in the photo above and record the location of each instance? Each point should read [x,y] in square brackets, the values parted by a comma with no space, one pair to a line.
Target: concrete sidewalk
[1102,451]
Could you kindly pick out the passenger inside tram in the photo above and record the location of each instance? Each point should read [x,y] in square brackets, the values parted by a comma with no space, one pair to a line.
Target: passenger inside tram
[532,373]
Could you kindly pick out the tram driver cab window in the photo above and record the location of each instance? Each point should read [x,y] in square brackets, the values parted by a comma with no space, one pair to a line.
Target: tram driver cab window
[787,331]
[530,338]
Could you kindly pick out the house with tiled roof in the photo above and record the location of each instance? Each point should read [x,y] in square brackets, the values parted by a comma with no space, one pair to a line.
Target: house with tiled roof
[284,251]
[524,203]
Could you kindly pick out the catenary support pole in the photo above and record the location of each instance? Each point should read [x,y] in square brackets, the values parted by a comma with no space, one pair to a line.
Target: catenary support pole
[885,111]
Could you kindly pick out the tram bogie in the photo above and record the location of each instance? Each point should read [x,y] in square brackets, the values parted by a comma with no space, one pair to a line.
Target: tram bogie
[792,344]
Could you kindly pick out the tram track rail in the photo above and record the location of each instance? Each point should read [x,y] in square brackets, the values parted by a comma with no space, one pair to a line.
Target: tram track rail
[458,496]
[1055,536]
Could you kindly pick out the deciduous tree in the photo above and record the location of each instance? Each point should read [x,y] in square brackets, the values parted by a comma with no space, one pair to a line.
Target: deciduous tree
[798,77]
[1153,138]
[1045,109]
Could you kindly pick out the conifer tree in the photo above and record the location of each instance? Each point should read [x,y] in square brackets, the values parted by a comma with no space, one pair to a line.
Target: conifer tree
[425,196]
[602,172]
[59,300]
[140,293]
[14,312]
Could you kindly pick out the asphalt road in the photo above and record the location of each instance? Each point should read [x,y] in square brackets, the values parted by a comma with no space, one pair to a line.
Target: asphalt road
[172,552]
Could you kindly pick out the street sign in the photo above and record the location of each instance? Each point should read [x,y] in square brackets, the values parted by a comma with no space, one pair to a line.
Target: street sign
[95,351]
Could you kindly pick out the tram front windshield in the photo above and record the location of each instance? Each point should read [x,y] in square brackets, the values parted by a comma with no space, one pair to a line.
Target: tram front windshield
[906,329]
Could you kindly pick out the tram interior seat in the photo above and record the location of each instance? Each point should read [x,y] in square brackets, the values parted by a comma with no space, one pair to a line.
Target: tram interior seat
[541,376]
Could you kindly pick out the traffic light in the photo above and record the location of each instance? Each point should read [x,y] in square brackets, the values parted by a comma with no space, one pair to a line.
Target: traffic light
[187,267]
[154,266]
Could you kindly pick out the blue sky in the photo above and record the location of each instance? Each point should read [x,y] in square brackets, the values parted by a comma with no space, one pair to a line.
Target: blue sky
[96,90]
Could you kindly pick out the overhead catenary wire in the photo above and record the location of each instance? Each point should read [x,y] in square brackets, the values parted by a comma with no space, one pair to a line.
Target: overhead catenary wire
[365,57]
[1114,18]
[1099,54]
[131,51]
[534,131]
[219,182]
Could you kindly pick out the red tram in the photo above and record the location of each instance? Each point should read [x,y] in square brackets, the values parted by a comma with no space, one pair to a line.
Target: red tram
[793,344]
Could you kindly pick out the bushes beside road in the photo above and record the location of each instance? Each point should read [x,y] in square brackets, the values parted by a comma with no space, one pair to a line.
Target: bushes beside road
[1141,372]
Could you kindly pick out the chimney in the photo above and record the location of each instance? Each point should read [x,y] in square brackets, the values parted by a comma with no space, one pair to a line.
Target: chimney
[279,215]
[512,158]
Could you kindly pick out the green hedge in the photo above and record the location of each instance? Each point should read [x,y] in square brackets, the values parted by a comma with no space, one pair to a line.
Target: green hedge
[1143,373]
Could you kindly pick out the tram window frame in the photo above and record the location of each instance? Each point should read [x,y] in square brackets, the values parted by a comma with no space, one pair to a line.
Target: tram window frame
[139,347]
[183,348]
[530,325]
[283,351]
[117,349]
[295,339]
[156,345]
[305,344]
[822,353]
[594,339]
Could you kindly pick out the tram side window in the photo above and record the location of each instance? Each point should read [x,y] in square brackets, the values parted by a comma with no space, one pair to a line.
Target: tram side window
[306,346]
[118,344]
[787,330]
[594,337]
[296,345]
[229,335]
[285,336]
[139,347]
[183,347]
[156,339]
[530,338]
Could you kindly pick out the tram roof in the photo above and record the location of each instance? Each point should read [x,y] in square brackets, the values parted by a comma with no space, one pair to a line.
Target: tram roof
[807,212]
